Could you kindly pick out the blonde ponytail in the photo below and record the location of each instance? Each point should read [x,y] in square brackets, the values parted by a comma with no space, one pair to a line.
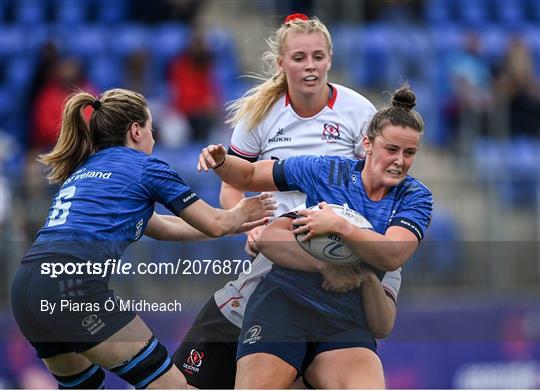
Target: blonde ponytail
[75,142]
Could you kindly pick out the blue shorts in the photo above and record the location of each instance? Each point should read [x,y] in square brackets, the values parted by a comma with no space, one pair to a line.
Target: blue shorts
[282,324]
[82,323]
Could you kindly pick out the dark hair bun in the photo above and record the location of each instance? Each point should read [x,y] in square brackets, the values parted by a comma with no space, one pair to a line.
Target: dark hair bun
[404,97]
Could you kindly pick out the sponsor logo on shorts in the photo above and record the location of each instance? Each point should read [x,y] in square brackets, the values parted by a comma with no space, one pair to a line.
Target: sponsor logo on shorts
[92,324]
[252,335]
[89,320]
[193,362]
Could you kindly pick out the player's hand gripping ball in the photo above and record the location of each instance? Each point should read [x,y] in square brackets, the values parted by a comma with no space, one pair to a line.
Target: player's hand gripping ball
[330,247]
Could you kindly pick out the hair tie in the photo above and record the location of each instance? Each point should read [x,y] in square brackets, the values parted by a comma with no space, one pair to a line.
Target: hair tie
[292,17]
[96,104]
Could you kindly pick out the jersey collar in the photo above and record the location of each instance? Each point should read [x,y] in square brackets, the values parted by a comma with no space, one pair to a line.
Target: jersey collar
[331,100]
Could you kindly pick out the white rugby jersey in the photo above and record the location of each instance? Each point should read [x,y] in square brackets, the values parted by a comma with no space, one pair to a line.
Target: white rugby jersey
[336,130]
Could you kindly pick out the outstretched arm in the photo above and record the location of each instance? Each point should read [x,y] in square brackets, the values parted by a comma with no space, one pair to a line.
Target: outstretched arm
[240,173]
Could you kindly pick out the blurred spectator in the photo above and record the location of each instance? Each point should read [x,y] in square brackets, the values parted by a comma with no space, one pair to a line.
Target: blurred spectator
[193,90]
[518,89]
[470,97]
[48,59]
[64,76]
[136,72]
[157,11]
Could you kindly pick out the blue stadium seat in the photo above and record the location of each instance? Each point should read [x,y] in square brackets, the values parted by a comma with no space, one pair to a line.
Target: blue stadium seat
[494,41]
[31,11]
[12,41]
[372,66]
[7,103]
[169,40]
[343,37]
[533,10]
[104,72]
[19,72]
[87,41]
[473,13]
[221,43]
[111,11]
[509,12]
[438,11]
[71,11]
[129,38]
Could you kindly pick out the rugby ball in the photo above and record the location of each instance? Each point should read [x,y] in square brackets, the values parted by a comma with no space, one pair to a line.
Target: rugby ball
[330,247]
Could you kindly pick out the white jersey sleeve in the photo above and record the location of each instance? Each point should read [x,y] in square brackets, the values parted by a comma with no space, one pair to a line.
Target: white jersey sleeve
[245,142]
[391,283]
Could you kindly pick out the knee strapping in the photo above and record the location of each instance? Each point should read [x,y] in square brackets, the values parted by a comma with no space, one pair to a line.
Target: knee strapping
[149,364]
[91,378]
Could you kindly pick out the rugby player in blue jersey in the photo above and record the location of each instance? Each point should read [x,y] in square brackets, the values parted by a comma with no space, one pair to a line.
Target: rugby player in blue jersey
[293,326]
[109,186]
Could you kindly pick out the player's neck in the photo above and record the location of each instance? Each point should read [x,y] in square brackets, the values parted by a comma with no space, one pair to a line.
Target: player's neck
[374,189]
[308,105]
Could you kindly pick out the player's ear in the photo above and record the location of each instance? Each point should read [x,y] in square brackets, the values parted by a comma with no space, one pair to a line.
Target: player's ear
[279,61]
[366,144]
[134,132]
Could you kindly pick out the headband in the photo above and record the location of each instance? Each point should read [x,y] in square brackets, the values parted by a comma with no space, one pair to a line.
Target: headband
[293,17]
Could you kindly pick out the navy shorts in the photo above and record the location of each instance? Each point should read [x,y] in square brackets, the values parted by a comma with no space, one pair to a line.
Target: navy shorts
[81,318]
[207,355]
[281,324]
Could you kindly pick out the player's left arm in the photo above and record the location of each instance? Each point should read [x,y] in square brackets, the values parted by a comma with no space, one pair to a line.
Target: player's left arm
[173,228]
[387,251]
[379,308]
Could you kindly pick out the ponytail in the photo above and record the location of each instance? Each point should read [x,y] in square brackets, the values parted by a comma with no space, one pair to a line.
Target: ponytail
[75,142]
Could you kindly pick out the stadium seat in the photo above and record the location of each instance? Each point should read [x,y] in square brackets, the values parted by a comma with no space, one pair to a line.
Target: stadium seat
[7,103]
[438,11]
[169,40]
[72,12]
[104,72]
[129,38]
[533,10]
[111,11]
[494,42]
[12,41]
[511,13]
[31,11]
[19,72]
[370,61]
[473,13]
[87,41]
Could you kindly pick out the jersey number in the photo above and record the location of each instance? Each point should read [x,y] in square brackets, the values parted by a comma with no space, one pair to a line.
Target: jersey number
[61,208]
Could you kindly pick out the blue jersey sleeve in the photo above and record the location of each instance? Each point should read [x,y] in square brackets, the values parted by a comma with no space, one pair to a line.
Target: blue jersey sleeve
[166,187]
[298,173]
[414,212]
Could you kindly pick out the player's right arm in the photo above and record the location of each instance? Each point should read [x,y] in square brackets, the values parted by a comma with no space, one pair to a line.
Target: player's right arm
[237,172]
[214,222]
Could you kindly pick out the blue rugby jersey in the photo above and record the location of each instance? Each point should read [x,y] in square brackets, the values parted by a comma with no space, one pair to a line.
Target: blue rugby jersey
[106,204]
[337,180]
